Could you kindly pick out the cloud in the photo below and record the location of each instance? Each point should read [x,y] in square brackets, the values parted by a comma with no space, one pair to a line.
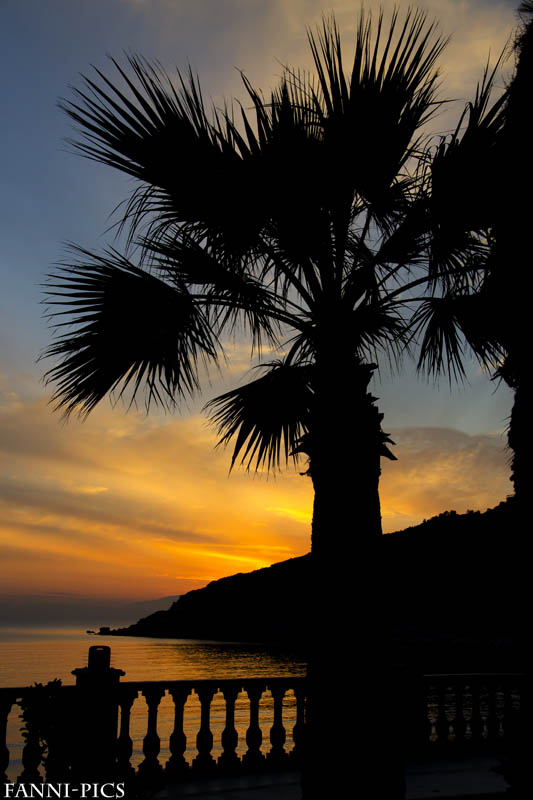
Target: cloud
[260,37]
[300,515]
[126,491]
[89,489]
[128,505]
[442,469]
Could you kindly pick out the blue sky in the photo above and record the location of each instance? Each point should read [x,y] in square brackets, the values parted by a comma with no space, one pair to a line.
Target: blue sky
[50,196]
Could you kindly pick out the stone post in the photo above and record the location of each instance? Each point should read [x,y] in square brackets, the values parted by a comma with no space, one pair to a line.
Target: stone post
[96,717]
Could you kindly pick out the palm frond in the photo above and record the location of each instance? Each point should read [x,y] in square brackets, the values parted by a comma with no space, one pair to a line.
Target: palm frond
[266,418]
[312,216]
[379,330]
[131,331]
[463,176]
[189,167]
[229,292]
[371,119]
[294,182]
[451,325]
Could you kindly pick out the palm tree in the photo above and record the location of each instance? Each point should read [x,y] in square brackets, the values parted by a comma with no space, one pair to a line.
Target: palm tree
[315,222]
[497,167]
[511,254]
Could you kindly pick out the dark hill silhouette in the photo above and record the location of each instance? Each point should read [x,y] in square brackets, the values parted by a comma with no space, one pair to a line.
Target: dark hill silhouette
[452,592]
[264,605]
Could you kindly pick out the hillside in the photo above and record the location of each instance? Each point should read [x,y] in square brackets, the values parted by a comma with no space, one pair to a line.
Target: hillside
[254,606]
[456,580]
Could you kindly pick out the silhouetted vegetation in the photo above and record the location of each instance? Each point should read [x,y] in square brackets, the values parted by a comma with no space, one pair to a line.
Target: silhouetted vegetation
[322,222]
[511,255]
[322,225]
[46,723]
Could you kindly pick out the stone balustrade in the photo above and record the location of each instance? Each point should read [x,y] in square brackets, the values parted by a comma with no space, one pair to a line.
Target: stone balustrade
[92,735]
[470,713]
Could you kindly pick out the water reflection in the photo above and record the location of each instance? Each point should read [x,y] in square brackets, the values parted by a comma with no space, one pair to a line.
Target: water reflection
[189,660]
[218,713]
[27,660]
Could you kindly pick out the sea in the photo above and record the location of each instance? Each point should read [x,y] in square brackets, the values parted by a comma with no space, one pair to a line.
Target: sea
[39,655]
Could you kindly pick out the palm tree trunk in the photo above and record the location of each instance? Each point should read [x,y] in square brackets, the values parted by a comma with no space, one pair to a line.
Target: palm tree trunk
[347,681]
[345,457]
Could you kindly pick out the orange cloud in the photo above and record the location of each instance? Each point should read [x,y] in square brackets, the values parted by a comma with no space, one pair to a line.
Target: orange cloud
[146,497]
[132,506]
[441,469]
[258,38]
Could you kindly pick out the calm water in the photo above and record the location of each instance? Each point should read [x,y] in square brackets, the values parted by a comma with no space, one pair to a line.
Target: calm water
[29,656]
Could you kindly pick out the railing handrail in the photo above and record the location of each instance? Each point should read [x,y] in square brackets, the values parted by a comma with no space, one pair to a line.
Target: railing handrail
[474,675]
[277,679]
[210,682]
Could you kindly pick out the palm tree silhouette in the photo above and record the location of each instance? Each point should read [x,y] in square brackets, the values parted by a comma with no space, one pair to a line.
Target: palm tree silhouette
[316,222]
[511,250]
[492,170]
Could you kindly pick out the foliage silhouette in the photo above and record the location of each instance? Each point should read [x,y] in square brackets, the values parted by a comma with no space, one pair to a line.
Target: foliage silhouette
[511,252]
[322,223]
[497,167]
[46,721]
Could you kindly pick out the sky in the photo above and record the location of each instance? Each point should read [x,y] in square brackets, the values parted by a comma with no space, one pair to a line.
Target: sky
[126,506]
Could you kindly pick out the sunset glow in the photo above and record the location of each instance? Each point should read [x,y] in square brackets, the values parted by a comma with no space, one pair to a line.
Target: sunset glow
[129,505]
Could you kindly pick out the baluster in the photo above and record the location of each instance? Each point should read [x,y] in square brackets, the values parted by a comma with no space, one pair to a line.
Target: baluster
[459,723]
[204,761]
[58,758]
[431,712]
[476,725]
[277,756]
[467,711]
[500,708]
[254,736]
[177,765]
[150,768]
[484,710]
[31,756]
[493,723]
[298,732]
[6,702]
[442,725]
[419,726]
[124,743]
[229,760]
[508,711]
[450,709]
[426,727]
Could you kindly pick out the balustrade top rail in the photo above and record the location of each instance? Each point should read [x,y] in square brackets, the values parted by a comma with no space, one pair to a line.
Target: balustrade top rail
[266,683]
[18,691]
[477,675]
